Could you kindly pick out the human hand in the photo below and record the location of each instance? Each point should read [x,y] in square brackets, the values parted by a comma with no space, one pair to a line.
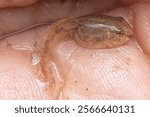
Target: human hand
[120,73]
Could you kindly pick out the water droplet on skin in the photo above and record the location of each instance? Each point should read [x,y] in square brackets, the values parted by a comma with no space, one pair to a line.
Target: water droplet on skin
[36,58]
[55,72]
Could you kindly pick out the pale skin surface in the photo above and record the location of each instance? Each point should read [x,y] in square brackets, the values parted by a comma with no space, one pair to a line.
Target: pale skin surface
[121,73]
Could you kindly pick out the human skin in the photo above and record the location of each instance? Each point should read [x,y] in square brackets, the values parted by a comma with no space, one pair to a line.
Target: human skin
[119,73]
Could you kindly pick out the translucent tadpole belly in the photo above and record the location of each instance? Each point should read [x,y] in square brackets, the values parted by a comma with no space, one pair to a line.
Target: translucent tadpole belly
[90,32]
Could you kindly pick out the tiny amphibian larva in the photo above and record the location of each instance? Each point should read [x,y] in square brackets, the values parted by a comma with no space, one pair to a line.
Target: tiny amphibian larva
[92,32]
[101,32]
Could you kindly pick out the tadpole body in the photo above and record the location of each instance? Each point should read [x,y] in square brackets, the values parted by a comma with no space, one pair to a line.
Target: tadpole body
[90,32]
[102,32]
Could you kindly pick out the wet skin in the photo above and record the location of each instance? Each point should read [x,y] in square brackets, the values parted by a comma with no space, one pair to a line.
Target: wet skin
[78,72]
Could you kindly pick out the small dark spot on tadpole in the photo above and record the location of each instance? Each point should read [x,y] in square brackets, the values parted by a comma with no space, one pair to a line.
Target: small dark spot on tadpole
[119,33]
[120,18]
[8,44]
[86,89]
[60,29]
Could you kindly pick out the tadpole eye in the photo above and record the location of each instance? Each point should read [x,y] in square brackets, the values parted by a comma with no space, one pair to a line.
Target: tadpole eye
[120,33]
[120,18]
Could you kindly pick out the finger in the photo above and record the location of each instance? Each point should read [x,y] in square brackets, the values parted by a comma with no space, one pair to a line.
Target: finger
[99,80]
[142,26]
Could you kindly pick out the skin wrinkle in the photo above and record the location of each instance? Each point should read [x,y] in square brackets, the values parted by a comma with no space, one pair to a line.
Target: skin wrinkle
[84,54]
[15,3]
[23,30]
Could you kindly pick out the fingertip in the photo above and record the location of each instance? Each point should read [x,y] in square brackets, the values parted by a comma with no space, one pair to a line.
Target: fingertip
[141,19]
